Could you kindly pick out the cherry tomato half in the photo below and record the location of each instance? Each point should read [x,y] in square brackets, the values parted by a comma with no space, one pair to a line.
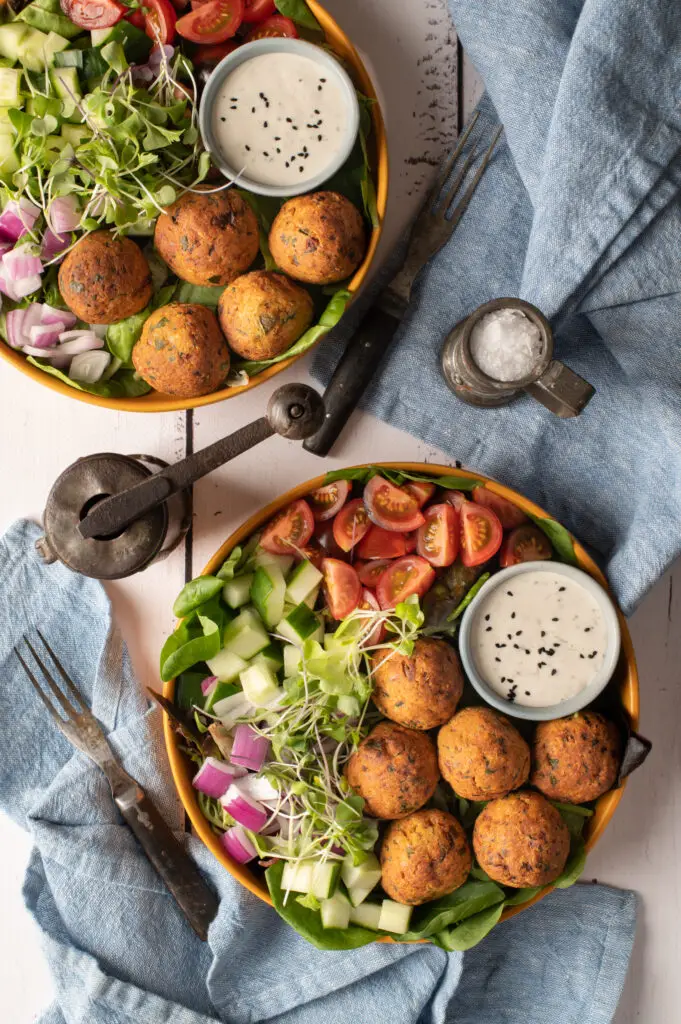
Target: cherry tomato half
[421,491]
[323,535]
[159,20]
[209,56]
[370,572]
[350,525]
[392,507]
[380,543]
[328,500]
[275,27]
[438,538]
[368,602]
[93,13]
[290,530]
[136,18]
[406,576]
[481,533]
[212,22]
[410,541]
[455,498]
[525,544]
[509,514]
[342,588]
[258,10]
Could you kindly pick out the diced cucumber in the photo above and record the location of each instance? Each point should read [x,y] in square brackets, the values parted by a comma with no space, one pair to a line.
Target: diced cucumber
[367,915]
[11,38]
[311,598]
[246,635]
[395,917]
[49,21]
[259,685]
[292,660]
[75,134]
[230,708]
[66,83]
[271,657]
[237,592]
[227,666]
[348,705]
[310,876]
[136,43]
[302,582]
[336,911]
[48,5]
[10,84]
[219,693]
[267,593]
[300,625]
[263,557]
[68,58]
[297,877]
[100,36]
[365,876]
[9,161]
[35,50]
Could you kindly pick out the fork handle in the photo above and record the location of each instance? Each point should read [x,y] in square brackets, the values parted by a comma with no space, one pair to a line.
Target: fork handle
[357,366]
[197,901]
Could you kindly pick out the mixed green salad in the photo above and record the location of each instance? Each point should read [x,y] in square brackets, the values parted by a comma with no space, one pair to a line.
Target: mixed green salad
[99,130]
[274,662]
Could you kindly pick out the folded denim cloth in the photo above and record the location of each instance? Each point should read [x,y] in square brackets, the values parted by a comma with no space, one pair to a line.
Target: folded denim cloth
[121,952]
[577,213]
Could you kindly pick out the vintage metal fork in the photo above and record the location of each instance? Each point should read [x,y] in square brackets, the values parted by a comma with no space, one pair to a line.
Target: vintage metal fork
[434,225]
[79,726]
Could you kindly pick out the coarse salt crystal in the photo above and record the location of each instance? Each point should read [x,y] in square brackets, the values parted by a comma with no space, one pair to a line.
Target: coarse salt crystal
[506,345]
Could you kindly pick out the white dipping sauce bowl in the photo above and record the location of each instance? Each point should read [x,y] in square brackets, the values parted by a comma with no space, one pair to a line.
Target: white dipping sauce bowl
[565,707]
[328,64]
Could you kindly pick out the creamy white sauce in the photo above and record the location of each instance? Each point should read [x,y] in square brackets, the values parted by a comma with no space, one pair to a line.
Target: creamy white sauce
[280,118]
[538,639]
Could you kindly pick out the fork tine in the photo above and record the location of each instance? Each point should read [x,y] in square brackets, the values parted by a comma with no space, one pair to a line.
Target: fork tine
[462,205]
[38,689]
[456,184]
[72,688]
[442,177]
[66,706]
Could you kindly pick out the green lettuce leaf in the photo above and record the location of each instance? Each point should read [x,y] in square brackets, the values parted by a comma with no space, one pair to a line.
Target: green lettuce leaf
[299,12]
[561,539]
[471,931]
[468,900]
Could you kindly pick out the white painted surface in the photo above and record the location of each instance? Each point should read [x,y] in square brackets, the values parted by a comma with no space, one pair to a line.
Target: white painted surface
[410,49]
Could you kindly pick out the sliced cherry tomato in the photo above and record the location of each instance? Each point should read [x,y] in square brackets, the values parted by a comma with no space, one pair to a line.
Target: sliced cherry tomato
[438,538]
[180,5]
[290,530]
[212,22]
[370,572]
[342,588]
[455,498]
[323,535]
[328,500]
[406,576]
[392,507]
[410,541]
[509,514]
[369,603]
[525,544]
[209,56]
[350,525]
[136,18]
[93,13]
[258,10]
[380,543]
[159,20]
[481,533]
[421,491]
[275,27]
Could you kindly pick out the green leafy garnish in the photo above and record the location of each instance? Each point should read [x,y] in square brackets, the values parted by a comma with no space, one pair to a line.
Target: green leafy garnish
[472,593]
[196,593]
[299,12]
[471,931]
[574,867]
[468,900]
[561,539]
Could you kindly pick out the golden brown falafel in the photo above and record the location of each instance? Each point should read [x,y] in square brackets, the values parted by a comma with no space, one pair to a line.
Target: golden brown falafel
[420,690]
[482,756]
[263,313]
[576,759]
[521,840]
[424,856]
[318,238]
[182,351]
[105,279]
[208,238]
[394,769]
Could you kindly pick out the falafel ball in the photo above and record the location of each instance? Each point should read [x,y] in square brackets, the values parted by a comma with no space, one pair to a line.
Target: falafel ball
[208,238]
[521,840]
[263,313]
[318,238]
[424,856]
[420,690]
[576,759]
[182,351]
[394,769]
[105,279]
[482,756]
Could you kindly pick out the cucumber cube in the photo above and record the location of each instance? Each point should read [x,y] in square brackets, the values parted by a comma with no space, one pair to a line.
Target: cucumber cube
[336,911]
[229,709]
[265,558]
[367,915]
[325,879]
[246,635]
[292,660]
[300,625]
[227,666]
[65,83]
[311,876]
[219,693]
[395,917]
[10,84]
[358,894]
[267,593]
[236,592]
[366,875]
[259,685]
[9,161]
[302,581]
[297,877]
[311,598]
[271,657]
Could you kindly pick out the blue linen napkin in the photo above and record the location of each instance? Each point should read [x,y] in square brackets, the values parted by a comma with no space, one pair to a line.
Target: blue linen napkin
[121,952]
[578,213]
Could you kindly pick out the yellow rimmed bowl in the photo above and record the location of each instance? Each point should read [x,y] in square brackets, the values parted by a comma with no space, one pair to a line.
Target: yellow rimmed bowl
[339,43]
[625,679]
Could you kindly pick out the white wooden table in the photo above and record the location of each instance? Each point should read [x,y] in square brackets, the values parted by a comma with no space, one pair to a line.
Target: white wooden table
[411,50]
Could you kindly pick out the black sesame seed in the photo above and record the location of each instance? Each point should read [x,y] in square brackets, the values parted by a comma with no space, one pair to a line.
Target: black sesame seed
[527,650]
[223,118]
[319,138]
[561,589]
[233,99]
[294,127]
[527,693]
[253,110]
[265,124]
[510,698]
[554,671]
[555,620]
[503,679]
[277,138]
[542,664]
[509,680]
[278,150]
[319,88]
[488,629]
[322,80]
[317,111]
[486,618]
[232,108]
[287,164]
[512,615]
[247,148]
[265,153]
[519,632]
[509,636]
[301,169]
[587,629]
[509,593]
[515,647]
[497,659]
[543,633]
[289,120]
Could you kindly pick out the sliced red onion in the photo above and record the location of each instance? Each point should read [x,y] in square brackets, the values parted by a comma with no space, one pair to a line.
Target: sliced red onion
[19,263]
[208,685]
[18,289]
[214,777]
[75,342]
[34,318]
[238,845]
[257,787]
[44,335]
[249,749]
[229,709]
[5,247]
[53,244]
[43,353]
[141,74]
[158,53]
[249,813]
[88,367]
[17,218]
[64,214]
[51,315]
[14,321]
